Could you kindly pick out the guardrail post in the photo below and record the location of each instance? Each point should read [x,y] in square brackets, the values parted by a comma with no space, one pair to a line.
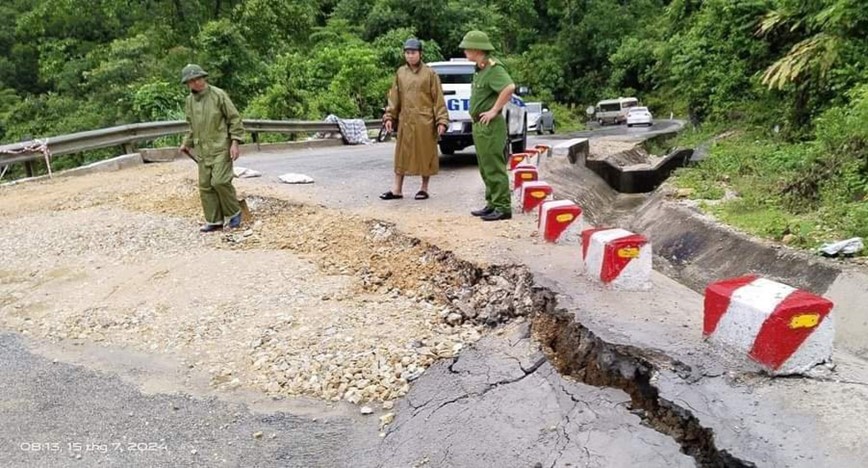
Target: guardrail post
[28,166]
[255,136]
[129,148]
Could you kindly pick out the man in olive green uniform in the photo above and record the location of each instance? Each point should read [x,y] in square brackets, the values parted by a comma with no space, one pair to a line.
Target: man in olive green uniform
[492,89]
[215,132]
[416,102]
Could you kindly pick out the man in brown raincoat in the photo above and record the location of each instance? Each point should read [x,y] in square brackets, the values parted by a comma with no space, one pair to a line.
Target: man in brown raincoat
[416,102]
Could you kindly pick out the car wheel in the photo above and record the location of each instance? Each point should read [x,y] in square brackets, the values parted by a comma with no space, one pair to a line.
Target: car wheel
[552,131]
[629,125]
[447,149]
[519,146]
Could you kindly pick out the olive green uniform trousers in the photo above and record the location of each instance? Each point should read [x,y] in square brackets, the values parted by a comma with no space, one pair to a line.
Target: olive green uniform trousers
[219,200]
[490,143]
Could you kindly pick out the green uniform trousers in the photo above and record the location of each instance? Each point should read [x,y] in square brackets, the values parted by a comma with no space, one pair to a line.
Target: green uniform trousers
[219,201]
[490,143]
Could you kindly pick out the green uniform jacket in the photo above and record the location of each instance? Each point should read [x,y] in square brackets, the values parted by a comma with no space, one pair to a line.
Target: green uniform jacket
[214,122]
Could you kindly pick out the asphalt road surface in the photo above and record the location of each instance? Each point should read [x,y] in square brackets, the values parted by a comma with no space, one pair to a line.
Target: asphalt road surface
[500,404]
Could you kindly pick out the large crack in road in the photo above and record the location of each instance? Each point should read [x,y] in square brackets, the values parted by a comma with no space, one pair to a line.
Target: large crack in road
[498,402]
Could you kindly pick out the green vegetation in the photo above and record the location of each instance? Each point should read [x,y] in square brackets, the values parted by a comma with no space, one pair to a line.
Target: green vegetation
[752,66]
[805,192]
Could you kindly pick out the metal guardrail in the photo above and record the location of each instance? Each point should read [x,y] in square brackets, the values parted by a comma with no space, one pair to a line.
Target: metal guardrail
[126,135]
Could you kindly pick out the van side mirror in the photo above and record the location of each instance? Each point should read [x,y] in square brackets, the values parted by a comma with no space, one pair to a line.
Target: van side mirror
[545,110]
[523,91]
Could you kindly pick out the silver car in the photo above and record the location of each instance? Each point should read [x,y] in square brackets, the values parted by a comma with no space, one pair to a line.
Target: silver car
[539,118]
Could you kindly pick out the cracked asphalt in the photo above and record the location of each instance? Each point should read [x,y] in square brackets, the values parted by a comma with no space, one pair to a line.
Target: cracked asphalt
[504,405]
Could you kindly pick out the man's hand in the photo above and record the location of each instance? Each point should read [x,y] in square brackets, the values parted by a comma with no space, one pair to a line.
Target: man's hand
[441,129]
[388,125]
[487,117]
[234,150]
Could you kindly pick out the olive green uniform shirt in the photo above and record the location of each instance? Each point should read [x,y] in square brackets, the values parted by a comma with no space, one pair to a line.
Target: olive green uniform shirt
[488,82]
[214,122]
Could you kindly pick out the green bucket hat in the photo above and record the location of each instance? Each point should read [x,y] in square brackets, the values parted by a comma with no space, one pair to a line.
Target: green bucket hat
[476,40]
[191,72]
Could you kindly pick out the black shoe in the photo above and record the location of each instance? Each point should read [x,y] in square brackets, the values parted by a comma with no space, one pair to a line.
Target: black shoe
[496,215]
[483,212]
[211,228]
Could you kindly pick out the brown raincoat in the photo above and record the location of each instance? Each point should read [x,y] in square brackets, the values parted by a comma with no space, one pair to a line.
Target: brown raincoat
[416,102]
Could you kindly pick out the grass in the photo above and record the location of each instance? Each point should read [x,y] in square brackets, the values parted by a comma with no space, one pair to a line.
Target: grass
[747,181]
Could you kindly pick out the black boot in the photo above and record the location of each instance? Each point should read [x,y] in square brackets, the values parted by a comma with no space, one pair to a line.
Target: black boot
[496,215]
[483,212]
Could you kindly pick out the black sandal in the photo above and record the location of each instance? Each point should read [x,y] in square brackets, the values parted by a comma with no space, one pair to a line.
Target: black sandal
[422,195]
[390,196]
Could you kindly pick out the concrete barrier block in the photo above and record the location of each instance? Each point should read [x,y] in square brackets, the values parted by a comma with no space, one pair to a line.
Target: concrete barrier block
[785,330]
[523,173]
[617,258]
[534,157]
[158,155]
[515,159]
[560,221]
[575,150]
[533,194]
[108,165]
[544,150]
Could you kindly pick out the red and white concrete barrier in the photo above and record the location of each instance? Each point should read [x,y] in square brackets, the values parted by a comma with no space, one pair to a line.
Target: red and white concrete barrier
[515,159]
[617,258]
[532,194]
[533,156]
[544,150]
[785,330]
[560,221]
[522,173]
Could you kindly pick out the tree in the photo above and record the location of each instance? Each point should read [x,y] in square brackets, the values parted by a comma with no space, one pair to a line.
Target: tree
[230,61]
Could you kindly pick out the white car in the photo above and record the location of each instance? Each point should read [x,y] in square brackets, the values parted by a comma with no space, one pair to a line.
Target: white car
[457,79]
[639,116]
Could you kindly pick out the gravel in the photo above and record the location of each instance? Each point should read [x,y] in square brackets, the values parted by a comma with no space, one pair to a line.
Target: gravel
[304,301]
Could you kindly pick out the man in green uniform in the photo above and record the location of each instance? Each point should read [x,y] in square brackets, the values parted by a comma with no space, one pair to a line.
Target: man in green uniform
[215,132]
[492,89]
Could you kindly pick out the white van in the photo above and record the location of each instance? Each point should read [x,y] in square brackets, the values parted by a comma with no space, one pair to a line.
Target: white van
[457,78]
[614,110]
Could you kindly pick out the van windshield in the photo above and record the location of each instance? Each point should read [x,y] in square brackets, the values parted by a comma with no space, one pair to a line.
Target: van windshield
[534,107]
[454,74]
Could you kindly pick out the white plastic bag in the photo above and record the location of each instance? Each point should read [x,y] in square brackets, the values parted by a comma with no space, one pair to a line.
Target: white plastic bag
[292,178]
[245,173]
[844,247]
